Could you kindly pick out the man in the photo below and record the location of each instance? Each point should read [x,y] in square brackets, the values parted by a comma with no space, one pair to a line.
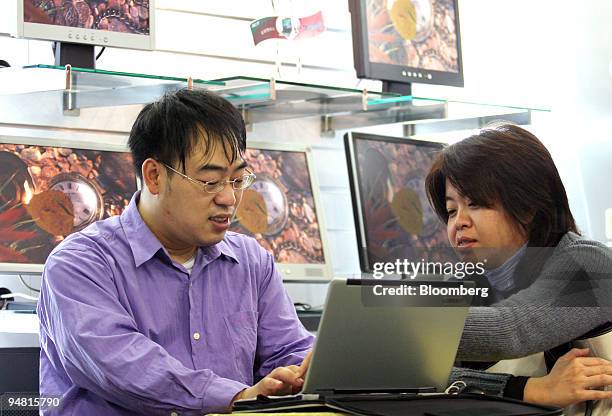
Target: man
[162,310]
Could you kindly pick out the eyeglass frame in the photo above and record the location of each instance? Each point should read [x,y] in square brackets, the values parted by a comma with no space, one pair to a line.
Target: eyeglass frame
[221,184]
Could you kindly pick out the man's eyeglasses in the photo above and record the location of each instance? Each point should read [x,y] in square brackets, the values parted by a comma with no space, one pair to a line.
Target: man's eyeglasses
[214,187]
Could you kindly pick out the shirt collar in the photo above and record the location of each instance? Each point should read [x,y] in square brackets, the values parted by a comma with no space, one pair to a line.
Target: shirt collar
[145,245]
[502,278]
[211,253]
[141,239]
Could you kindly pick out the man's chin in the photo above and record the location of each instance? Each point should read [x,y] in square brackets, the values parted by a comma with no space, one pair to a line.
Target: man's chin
[211,239]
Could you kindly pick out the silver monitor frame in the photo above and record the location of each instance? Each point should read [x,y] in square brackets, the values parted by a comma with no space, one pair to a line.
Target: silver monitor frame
[51,141]
[69,34]
[304,272]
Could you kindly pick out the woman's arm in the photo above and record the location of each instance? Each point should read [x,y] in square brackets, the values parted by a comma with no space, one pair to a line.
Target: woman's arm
[578,276]
[499,333]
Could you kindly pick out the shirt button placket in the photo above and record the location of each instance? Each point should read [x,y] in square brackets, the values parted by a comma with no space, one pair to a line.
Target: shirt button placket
[195,321]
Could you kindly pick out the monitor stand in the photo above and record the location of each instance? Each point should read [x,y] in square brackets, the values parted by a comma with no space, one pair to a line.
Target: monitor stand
[77,55]
[402,88]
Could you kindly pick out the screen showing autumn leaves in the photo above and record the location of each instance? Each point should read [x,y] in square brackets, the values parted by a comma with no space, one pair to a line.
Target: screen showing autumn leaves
[46,193]
[279,208]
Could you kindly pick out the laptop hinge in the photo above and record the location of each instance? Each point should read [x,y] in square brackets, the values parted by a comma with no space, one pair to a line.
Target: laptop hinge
[411,390]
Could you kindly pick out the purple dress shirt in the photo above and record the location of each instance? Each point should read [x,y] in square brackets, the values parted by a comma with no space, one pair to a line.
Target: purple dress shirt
[124,329]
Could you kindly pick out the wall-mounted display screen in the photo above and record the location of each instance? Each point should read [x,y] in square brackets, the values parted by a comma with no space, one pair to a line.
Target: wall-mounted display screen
[111,15]
[281,210]
[407,40]
[47,193]
[120,23]
[393,217]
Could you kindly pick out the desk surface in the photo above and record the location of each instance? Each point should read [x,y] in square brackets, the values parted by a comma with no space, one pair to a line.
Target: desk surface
[290,414]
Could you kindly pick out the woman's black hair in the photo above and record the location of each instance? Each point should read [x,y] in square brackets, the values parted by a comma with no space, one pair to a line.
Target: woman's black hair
[510,166]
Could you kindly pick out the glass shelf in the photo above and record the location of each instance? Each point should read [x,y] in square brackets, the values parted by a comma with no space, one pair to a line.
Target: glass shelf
[265,100]
[88,88]
[260,100]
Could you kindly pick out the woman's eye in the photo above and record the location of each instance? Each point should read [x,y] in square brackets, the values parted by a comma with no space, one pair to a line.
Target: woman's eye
[450,212]
[473,205]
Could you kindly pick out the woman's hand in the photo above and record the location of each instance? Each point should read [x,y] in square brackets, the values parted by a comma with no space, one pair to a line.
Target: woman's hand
[573,379]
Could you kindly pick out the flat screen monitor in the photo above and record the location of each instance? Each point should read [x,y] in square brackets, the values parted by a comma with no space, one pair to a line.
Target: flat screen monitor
[117,23]
[393,218]
[407,41]
[48,191]
[283,212]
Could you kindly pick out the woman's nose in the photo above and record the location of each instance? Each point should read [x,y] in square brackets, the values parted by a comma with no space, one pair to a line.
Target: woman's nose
[462,219]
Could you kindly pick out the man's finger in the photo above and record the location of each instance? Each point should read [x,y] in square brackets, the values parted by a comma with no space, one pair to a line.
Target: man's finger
[287,376]
[305,364]
[270,386]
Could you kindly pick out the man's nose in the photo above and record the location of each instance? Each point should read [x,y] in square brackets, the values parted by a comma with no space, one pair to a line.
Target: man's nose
[227,196]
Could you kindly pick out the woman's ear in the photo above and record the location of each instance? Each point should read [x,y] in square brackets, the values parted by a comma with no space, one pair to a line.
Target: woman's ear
[529,218]
[152,176]
[527,222]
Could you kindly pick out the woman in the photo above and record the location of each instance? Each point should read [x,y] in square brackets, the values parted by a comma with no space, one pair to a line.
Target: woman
[503,201]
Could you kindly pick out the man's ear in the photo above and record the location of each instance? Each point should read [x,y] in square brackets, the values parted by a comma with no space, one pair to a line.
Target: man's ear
[153,176]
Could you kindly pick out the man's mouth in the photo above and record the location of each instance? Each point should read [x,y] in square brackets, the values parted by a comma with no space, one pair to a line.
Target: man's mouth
[220,219]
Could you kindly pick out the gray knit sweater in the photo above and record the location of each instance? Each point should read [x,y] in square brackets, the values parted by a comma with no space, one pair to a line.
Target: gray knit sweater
[546,314]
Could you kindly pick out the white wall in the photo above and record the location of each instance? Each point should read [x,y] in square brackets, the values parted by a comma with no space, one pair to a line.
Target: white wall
[545,53]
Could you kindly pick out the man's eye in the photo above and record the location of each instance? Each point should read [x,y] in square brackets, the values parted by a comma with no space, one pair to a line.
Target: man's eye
[213,183]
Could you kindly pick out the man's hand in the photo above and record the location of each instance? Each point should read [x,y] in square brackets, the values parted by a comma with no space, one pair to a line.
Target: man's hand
[572,380]
[303,369]
[281,381]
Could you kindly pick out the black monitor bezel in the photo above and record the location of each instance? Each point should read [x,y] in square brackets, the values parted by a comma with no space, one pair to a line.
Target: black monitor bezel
[393,73]
[354,184]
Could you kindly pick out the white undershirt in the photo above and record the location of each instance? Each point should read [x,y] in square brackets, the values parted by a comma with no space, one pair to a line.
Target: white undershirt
[189,264]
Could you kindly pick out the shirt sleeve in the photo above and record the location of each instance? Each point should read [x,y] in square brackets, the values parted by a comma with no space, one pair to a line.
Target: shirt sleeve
[282,340]
[101,350]
[491,383]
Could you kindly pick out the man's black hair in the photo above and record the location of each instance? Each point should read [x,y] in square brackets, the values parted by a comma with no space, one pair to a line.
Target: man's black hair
[170,129]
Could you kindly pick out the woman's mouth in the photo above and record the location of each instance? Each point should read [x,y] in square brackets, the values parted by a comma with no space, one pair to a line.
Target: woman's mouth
[466,242]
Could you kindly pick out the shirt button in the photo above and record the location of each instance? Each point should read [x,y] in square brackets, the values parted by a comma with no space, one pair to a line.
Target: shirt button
[196,336]
[174,414]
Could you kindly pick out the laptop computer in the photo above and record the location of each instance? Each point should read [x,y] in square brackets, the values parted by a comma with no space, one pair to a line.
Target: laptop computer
[377,337]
